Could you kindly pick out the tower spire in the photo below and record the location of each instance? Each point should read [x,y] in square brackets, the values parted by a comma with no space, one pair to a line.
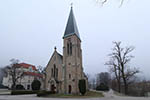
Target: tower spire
[71,27]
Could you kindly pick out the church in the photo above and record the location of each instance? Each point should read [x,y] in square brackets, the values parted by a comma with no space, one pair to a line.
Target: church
[63,72]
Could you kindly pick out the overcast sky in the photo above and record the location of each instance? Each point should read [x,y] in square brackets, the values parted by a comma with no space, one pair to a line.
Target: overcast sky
[29,30]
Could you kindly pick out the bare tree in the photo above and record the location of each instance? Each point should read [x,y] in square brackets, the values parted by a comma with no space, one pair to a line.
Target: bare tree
[1,74]
[40,68]
[97,79]
[14,71]
[105,1]
[93,83]
[122,57]
[103,77]
[145,87]
[89,80]
[114,67]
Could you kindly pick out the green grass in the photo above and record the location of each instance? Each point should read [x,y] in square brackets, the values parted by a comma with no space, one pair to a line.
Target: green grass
[2,90]
[89,94]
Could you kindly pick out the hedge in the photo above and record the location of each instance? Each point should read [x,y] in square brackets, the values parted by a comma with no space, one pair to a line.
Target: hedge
[82,86]
[36,84]
[102,87]
[44,93]
[20,87]
[21,92]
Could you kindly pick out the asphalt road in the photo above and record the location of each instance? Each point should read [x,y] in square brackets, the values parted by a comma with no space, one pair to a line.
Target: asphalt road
[108,96]
[33,97]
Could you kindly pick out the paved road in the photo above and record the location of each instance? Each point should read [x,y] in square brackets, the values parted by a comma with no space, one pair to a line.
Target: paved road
[111,96]
[108,96]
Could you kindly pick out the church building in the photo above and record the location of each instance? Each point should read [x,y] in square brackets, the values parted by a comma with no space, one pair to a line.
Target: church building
[63,72]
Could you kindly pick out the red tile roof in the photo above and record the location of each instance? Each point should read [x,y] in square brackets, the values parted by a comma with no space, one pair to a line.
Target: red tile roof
[24,65]
[33,74]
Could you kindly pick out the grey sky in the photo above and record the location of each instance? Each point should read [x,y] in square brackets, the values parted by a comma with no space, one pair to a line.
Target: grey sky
[29,30]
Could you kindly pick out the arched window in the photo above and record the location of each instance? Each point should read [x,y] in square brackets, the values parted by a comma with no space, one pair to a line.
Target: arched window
[54,70]
[69,47]
[78,48]
[69,76]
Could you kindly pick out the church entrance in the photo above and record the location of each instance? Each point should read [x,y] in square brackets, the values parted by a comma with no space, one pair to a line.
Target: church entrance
[52,88]
[69,91]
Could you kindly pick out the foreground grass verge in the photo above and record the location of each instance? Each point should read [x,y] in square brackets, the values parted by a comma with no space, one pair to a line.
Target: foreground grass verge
[89,94]
[5,92]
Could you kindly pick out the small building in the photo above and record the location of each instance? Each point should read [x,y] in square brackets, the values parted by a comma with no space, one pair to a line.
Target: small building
[30,73]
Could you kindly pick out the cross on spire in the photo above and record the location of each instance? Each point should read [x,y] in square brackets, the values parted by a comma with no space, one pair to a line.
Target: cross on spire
[55,48]
[71,4]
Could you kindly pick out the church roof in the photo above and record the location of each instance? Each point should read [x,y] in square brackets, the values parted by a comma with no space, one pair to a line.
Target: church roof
[60,55]
[71,27]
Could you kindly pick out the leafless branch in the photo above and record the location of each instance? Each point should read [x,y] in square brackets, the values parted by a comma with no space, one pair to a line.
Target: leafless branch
[118,63]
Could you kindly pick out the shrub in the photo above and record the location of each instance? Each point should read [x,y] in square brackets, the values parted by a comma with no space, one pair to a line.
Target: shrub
[44,93]
[20,87]
[3,87]
[21,92]
[36,84]
[102,87]
[82,86]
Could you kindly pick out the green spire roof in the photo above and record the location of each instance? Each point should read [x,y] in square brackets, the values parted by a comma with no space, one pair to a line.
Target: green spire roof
[71,27]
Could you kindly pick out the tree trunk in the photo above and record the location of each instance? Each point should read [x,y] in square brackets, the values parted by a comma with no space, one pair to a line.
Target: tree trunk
[119,87]
[13,86]
[125,84]
[118,79]
[126,89]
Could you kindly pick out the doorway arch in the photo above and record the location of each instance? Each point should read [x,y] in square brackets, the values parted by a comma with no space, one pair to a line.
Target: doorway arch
[69,89]
[53,88]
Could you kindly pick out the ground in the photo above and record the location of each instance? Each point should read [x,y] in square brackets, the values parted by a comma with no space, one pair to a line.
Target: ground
[108,96]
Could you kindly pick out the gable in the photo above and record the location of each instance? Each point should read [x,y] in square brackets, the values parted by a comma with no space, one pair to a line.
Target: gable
[56,59]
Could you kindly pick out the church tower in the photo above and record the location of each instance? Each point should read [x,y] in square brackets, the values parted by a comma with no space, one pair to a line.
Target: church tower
[72,56]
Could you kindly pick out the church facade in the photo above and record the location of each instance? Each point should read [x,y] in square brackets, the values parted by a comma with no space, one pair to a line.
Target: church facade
[63,72]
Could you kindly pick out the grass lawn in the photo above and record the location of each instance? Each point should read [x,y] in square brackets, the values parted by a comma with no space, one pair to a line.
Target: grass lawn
[89,94]
[4,91]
